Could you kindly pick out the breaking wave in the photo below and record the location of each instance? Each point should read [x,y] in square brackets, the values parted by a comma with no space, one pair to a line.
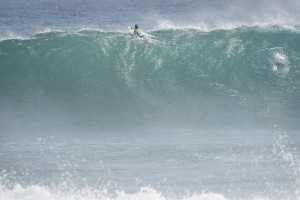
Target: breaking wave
[178,76]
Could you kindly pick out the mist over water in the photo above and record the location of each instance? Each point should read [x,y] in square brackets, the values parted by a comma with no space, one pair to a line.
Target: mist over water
[25,18]
[206,109]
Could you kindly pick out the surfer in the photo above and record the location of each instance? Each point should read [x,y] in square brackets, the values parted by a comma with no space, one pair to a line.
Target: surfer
[137,31]
[138,34]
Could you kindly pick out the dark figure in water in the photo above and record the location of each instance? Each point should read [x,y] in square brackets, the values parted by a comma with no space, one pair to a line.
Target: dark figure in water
[278,66]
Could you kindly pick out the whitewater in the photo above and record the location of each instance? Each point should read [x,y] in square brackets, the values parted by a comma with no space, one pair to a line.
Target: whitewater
[207,109]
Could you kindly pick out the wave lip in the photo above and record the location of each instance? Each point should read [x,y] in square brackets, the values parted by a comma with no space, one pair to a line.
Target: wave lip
[206,27]
[160,26]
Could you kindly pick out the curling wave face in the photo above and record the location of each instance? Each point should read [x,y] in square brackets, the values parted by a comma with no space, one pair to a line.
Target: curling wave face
[182,76]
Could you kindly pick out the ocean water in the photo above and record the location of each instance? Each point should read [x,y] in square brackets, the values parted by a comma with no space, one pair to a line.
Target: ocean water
[207,107]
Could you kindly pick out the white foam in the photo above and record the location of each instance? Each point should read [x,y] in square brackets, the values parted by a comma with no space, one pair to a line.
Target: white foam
[167,24]
[37,192]
[226,25]
[280,56]
[11,36]
[283,59]
[48,30]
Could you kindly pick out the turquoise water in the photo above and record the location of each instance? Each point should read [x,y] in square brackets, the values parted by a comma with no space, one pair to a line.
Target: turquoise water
[207,108]
[191,114]
[194,78]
